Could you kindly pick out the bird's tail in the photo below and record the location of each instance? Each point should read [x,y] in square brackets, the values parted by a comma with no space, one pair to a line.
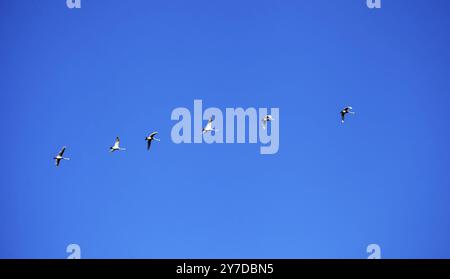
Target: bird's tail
[68,159]
[157,139]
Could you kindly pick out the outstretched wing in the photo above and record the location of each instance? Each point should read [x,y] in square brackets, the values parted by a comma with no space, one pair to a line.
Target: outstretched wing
[209,125]
[116,144]
[62,151]
[57,162]
[149,142]
[153,134]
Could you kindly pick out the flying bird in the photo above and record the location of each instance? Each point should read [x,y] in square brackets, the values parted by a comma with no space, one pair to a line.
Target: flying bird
[116,146]
[345,111]
[60,157]
[266,119]
[209,127]
[151,138]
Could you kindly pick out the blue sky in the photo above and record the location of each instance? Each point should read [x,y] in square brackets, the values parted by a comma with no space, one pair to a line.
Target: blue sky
[118,68]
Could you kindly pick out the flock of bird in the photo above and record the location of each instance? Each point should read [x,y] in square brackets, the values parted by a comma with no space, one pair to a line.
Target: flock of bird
[115,147]
[208,128]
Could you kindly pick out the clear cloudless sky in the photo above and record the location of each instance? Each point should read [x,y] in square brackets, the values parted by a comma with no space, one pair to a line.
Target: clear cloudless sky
[81,77]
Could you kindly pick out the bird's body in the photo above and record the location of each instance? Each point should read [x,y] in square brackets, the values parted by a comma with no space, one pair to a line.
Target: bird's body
[209,127]
[116,146]
[345,111]
[60,157]
[266,119]
[151,138]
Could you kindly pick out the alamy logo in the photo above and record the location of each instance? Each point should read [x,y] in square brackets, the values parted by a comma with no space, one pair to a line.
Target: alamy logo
[74,250]
[374,251]
[374,4]
[71,4]
[260,122]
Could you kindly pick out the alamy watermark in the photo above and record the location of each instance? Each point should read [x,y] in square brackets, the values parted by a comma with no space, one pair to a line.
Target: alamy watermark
[374,4]
[76,4]
[74,250]
[73,4]
[374,251]
[263,126]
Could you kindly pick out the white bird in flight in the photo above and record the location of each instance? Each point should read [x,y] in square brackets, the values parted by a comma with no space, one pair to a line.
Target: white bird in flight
[60,157]
[209,127]
[116,146]
[151,138]
[345,111]
[266,119]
